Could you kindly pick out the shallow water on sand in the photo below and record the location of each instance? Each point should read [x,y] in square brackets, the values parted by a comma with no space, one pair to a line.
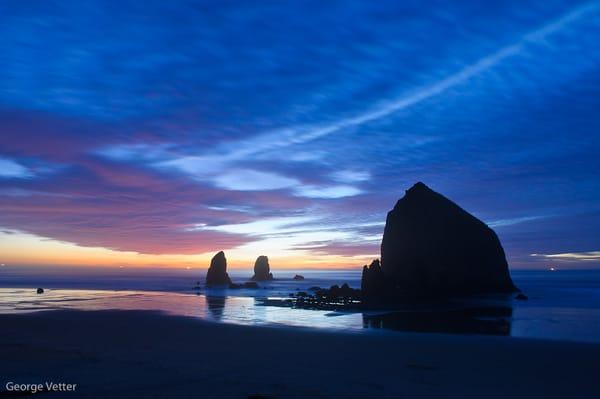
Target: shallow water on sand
[563,305]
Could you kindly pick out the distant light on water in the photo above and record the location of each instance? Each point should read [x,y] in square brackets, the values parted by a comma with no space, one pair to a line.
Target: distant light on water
[552,269]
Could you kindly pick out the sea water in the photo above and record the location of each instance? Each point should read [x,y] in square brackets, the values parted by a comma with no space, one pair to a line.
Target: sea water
[562,305]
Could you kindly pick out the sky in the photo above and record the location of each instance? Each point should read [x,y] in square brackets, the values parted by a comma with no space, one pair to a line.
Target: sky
[158,133]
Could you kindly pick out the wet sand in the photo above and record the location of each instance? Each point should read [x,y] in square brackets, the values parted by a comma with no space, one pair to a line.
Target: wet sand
[130,354]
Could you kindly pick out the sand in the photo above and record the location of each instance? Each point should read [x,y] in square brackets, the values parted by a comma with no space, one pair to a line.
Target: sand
[131,354]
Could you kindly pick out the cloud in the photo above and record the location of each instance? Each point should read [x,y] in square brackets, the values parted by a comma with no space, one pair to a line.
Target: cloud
[253,180]
[517,220]
[222,172]
[572,256]
[351,176]
[265,226]
[327,192]
[129,152]
[299,134]
[12,169]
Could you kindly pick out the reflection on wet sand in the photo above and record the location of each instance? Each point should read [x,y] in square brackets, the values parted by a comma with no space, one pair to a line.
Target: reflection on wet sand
[216,306]
[487,320]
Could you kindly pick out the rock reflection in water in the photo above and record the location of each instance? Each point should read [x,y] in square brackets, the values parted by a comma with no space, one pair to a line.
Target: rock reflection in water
[216,305]
[478,320]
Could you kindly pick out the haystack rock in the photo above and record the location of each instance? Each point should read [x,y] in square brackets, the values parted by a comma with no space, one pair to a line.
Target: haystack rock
[217,272]
[433,248]
[262,269]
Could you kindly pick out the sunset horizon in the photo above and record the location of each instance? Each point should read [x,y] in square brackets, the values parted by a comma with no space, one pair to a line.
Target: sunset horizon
[161,143]
[300,199]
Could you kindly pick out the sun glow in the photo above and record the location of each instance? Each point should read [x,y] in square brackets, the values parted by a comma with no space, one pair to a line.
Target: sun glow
[16,249]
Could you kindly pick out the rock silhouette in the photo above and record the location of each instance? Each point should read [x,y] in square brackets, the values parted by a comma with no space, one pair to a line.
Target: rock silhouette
[373,281]
[298,277]
[433,248]
[217,272]
[262,269]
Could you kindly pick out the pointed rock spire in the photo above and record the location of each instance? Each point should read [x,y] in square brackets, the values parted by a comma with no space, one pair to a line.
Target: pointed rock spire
[217,271]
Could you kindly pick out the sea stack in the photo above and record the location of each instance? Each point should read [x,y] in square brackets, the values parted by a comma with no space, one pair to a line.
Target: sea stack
[431,247]
[217,272]
[262,269]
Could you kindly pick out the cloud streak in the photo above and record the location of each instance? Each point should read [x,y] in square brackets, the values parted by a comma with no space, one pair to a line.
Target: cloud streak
[12,169]
[591,256]
[302,134]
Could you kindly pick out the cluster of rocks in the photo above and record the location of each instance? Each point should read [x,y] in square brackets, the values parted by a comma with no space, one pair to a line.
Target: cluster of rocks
[333,298]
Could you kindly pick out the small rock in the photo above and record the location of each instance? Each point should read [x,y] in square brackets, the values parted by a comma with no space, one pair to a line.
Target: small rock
[40,290]
[521,297]
[298,277]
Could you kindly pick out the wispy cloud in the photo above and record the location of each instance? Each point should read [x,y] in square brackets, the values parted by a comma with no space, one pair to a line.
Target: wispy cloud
[330,192]
[211,167]
[13,169]
[294,135]
[517,220]
[253,180]
[351,176]
[572,256]
[225,172]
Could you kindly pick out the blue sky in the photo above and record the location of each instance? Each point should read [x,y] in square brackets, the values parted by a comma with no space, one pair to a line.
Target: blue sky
[293,127]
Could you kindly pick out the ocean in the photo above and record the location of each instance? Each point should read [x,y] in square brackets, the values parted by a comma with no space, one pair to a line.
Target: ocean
[562,305]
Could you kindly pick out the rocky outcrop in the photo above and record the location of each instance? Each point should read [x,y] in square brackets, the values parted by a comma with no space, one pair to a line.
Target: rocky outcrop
[372,284]
[217,272]
[433,248]
[298,277]
[262,269]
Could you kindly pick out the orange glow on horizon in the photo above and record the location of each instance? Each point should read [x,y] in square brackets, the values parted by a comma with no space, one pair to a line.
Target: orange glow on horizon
[31,250]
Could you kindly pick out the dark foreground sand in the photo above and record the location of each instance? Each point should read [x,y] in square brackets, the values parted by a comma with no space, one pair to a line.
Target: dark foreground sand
[131,354]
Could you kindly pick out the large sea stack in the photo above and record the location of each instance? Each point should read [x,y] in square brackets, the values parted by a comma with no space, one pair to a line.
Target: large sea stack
[433,248]
[262,269]
[217,272]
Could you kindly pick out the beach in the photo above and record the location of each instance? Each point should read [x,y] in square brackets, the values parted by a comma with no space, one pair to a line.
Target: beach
[124,354]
